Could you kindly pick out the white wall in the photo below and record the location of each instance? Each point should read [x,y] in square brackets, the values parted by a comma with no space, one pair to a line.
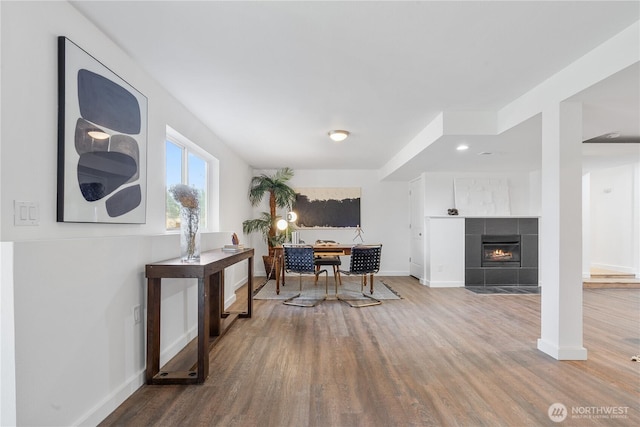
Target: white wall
[614,200]
[78,353]
[535,193]
[439,192]
[384,215]
[29,98]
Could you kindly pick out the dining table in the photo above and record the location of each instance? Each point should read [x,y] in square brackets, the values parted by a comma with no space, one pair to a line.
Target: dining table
[319,249]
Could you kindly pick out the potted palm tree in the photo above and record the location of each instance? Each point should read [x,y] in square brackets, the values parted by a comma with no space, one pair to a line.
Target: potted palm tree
[280,196]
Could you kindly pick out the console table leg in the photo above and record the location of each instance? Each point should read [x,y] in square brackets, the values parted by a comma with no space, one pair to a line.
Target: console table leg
[153,328]
[203,330]
[277,267]
[250,287]
[216,302]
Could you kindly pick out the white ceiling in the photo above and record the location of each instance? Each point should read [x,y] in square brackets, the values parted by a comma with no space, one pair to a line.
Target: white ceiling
[272,78]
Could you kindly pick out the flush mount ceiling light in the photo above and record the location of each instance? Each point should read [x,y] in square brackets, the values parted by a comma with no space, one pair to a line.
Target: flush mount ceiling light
[462,147]
[338,135]
[96,134]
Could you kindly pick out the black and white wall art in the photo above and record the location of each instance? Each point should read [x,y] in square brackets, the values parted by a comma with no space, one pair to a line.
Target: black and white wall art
[328,207]
[102,142]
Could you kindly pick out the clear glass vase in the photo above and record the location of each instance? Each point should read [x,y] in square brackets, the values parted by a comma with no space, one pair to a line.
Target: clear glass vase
[189,235]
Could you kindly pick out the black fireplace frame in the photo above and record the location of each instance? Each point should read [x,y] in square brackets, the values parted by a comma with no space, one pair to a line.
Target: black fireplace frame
[501,240]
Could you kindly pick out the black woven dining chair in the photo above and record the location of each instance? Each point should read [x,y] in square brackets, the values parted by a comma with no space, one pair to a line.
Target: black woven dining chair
[329,259]
[365,262]
[299,259]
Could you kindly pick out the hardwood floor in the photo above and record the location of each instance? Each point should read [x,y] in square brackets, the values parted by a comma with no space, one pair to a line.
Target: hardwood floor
[603,279]
[437,357]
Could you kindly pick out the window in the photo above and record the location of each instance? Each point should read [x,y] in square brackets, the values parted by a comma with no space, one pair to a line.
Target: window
[188,164]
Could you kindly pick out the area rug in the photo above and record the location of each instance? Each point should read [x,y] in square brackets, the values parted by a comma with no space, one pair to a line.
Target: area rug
[350,289]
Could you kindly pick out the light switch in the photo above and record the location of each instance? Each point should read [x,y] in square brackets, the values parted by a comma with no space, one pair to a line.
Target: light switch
[33,213]
[26,213]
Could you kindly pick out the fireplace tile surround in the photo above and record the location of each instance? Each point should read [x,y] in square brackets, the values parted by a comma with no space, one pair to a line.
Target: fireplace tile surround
[524,275]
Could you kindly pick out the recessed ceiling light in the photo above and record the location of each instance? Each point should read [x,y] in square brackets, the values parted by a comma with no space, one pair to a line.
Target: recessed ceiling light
[462,147]
[484,153]
[338,135]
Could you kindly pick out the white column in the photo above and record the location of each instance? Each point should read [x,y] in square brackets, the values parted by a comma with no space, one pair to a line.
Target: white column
[7,319]
[636,218]
[7,338]
[561,233]
[586,226]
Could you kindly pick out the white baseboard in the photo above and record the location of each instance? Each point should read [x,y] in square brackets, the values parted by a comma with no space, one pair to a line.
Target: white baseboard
[394,273]
[444,284]
[175,347]
[619,268]
[232,298]
[562,353]
[110,403]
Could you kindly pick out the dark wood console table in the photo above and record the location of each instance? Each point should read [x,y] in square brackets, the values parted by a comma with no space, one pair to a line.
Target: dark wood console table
[210,274]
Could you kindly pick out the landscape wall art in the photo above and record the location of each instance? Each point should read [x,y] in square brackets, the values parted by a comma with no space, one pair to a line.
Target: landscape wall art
[327,207]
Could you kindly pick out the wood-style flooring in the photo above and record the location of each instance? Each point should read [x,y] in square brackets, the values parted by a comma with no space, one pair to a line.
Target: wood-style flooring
[437,357]
[608,279]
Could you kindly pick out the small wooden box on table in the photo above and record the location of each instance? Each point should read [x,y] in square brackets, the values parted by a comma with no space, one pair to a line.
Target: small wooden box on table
[210,274]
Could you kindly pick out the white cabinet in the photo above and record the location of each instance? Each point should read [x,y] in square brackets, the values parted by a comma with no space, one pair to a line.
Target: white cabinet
[444,252]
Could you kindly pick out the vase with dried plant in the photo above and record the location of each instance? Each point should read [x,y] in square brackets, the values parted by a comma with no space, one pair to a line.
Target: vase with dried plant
[189,202]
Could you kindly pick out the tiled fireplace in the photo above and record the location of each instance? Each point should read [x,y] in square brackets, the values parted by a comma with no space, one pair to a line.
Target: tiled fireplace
[501,252]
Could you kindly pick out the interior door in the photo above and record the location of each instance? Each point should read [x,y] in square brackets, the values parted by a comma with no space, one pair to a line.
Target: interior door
[416,225]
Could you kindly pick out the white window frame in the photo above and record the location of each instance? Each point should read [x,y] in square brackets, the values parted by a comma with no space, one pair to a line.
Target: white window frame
[212,191]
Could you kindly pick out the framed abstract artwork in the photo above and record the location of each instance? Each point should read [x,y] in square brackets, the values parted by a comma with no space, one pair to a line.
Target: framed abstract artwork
[328,207]
[102,142]
[482,196]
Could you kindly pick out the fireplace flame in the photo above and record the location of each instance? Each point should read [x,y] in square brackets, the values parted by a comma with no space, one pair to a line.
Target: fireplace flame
[500,254]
